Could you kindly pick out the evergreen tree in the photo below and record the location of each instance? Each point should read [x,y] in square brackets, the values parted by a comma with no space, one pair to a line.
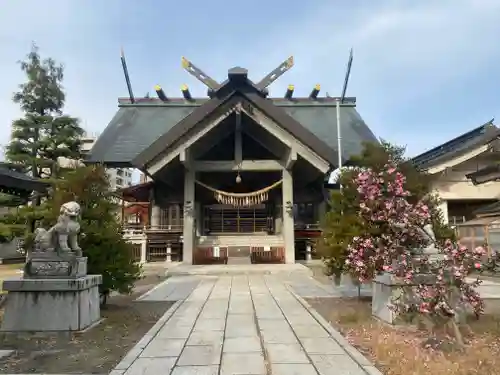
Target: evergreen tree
[342,221]
[44,134]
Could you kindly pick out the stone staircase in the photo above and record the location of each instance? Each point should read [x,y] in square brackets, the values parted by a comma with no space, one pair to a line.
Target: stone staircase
[235,241]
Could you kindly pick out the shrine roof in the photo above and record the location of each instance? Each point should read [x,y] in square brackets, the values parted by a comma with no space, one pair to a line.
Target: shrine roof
[20,184]
[458,146]
[136,126]
[144,127]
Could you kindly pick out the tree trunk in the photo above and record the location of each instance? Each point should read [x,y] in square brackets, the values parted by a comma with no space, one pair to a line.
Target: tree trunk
[457,333]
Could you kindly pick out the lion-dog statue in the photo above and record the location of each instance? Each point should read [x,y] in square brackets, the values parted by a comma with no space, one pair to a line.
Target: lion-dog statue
[62,238]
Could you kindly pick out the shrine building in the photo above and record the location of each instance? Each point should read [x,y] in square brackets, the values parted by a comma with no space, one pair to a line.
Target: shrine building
[233,177]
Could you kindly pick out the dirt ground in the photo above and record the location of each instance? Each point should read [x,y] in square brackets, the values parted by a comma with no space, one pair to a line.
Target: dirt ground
[96,351]
[405,350]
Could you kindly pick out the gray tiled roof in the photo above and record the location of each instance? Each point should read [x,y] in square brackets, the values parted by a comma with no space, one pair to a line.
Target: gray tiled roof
[135,127]
[457,146]
[132,130]
[322,121]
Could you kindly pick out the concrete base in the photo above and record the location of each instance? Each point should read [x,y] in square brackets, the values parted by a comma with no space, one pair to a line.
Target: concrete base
[51,304]
[240,269]
[385,289]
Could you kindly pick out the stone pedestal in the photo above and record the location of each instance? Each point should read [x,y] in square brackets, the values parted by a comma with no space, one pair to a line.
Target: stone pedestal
[51,304]
[47,266]
[386,287]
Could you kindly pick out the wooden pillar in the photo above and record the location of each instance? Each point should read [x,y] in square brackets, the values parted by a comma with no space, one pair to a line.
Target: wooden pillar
[189,210]
[288,220]
[155,211]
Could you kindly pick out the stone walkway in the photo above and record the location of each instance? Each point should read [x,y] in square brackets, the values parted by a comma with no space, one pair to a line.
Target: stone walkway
[236,325]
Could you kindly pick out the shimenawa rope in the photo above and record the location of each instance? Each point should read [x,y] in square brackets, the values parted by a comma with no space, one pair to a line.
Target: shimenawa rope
[241,199]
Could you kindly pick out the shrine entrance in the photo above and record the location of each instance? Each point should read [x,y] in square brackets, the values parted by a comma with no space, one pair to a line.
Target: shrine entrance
[221,218]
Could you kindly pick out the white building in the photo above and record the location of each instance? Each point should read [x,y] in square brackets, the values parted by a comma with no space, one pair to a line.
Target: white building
[118,177]
[452,162]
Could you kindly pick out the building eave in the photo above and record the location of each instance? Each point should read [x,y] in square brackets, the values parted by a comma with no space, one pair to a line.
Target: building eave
[457,146]
[484,175]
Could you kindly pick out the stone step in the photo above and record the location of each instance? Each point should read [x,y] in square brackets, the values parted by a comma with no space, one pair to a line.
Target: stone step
[287,270]
[238,260]
[235,241]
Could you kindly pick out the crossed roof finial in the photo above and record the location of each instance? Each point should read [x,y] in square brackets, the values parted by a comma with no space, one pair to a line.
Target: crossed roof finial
[214,85]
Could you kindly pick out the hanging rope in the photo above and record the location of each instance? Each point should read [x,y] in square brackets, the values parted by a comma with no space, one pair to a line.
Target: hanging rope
[241,199]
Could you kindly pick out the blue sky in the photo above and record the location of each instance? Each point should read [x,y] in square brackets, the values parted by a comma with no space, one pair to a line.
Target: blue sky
[423,72]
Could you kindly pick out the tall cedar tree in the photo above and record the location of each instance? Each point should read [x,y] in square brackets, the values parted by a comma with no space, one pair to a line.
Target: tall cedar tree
[100,239]
[44,134]
[342,222]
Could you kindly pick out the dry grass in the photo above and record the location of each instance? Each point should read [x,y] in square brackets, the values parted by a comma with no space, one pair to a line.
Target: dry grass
[402,351]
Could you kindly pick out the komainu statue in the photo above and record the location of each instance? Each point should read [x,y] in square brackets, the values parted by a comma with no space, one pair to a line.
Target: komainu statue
[62,238]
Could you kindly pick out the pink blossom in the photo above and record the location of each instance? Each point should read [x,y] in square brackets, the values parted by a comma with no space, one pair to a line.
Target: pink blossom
[384,204]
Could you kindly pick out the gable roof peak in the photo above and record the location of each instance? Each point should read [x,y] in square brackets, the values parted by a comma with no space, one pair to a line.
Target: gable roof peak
[237,72]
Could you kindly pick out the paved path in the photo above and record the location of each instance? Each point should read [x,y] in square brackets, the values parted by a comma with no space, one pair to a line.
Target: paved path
[235,325]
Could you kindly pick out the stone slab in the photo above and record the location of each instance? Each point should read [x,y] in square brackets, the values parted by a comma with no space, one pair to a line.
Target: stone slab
[235,330]
[310,331]
[243,364]
[336,364]
[172,289]
[319,345]
[209,325]
[286,353]
[214,338]
[170,332]
[242,345]
[200,356]
[196,370]
[143,366]
[31,305]
[164,348]
[51,285]
[296,369]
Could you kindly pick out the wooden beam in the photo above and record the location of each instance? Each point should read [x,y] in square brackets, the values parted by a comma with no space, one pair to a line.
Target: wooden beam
[266,140]
[290,158]
[278,132]
[245,165]
[185,158]
[166,157]
[238,147]
[212,139]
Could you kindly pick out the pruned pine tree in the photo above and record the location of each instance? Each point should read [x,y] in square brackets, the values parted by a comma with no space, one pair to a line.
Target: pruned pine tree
[44,134]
